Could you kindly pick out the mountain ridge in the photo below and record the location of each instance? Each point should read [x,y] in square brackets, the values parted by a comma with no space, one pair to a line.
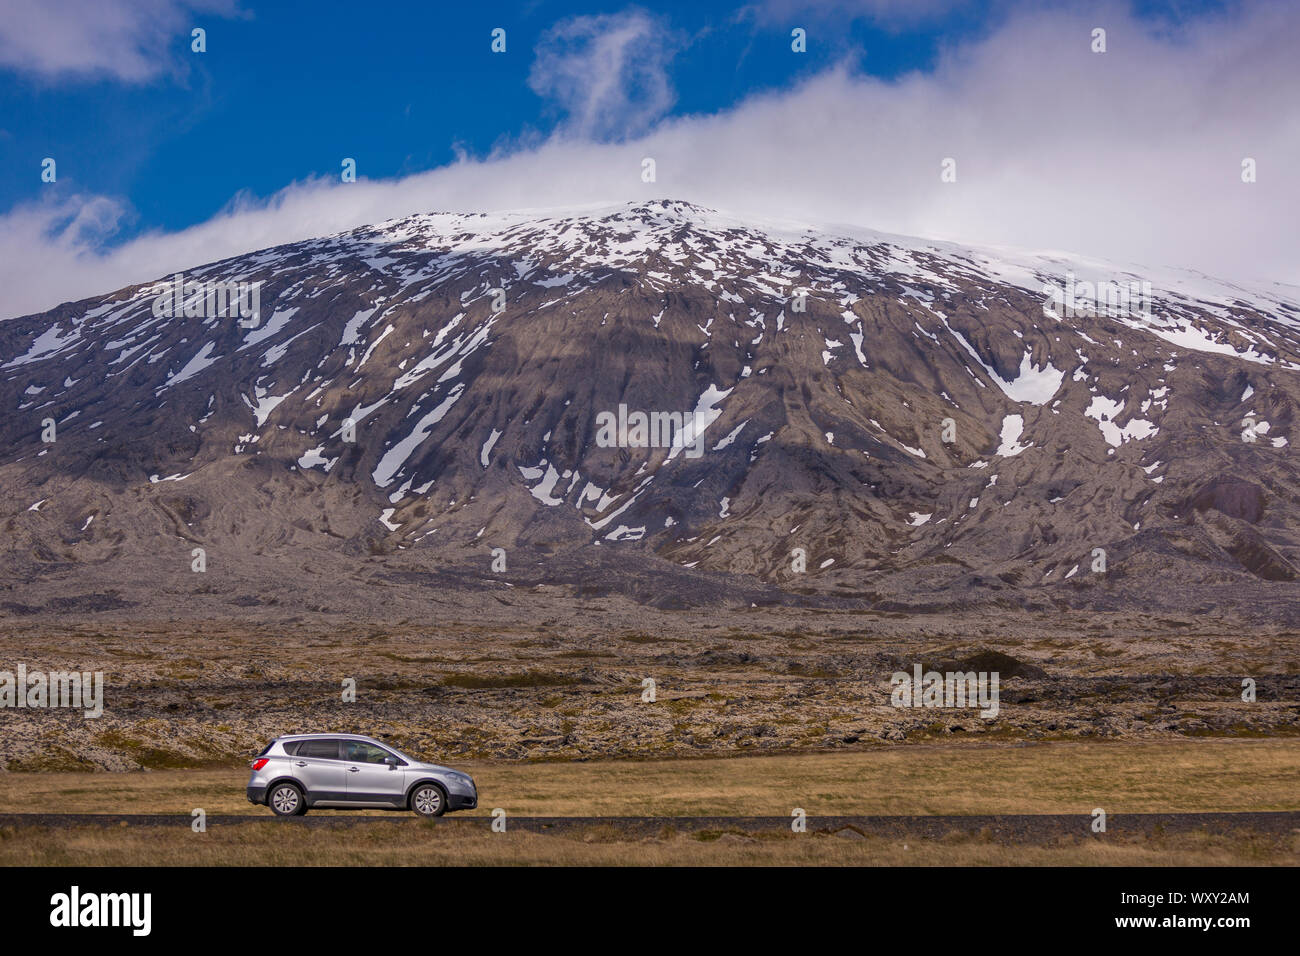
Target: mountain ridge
[921,428]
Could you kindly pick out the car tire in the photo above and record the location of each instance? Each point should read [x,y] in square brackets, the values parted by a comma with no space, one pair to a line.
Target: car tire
[429,800]
[286,800]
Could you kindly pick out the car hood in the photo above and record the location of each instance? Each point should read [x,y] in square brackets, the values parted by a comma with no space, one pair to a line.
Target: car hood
[434,768]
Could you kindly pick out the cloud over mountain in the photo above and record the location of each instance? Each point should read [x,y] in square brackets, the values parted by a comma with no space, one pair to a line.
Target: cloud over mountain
[1133,154]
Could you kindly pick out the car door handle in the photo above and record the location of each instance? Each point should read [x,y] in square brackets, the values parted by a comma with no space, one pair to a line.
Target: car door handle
[300,763]
[354,769]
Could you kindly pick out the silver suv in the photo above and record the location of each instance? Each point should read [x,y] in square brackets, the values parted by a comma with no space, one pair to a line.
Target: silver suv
[351,772]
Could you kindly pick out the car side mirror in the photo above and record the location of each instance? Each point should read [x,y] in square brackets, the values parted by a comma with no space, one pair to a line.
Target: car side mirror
[392,762]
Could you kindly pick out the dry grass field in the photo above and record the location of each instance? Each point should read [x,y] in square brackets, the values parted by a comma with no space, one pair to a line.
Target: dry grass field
[933,779]
[416,843]
[1060,777]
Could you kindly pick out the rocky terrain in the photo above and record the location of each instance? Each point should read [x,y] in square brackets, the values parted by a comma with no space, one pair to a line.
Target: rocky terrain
[544,680]
[886,424]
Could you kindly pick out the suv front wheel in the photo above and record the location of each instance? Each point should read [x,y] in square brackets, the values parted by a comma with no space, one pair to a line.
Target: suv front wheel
[286,800]
[428,800]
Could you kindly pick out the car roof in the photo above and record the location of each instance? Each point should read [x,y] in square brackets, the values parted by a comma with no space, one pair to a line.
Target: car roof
[336,736]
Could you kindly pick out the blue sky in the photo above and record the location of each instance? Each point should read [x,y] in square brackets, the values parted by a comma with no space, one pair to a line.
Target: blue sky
[279,96]
[167,158]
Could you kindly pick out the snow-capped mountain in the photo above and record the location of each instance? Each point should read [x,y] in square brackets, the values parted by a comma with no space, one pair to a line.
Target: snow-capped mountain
[926,423]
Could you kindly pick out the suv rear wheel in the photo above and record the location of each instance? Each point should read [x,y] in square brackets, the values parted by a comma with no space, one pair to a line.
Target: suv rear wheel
[286,800]
[428,800]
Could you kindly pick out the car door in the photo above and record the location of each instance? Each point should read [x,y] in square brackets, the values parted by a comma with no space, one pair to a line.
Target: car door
[319,766]
[369,778]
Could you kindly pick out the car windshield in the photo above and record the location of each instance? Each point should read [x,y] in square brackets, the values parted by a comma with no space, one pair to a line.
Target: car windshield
[406,757]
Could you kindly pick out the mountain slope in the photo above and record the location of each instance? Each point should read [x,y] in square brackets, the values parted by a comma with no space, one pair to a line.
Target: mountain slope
[474,357]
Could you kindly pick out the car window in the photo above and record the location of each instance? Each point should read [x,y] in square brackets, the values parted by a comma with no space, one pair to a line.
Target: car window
[327,749]
[359,751]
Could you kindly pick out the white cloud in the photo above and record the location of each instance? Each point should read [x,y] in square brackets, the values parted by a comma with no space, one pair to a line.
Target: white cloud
[1133,155]
[607,73]
[128,40]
